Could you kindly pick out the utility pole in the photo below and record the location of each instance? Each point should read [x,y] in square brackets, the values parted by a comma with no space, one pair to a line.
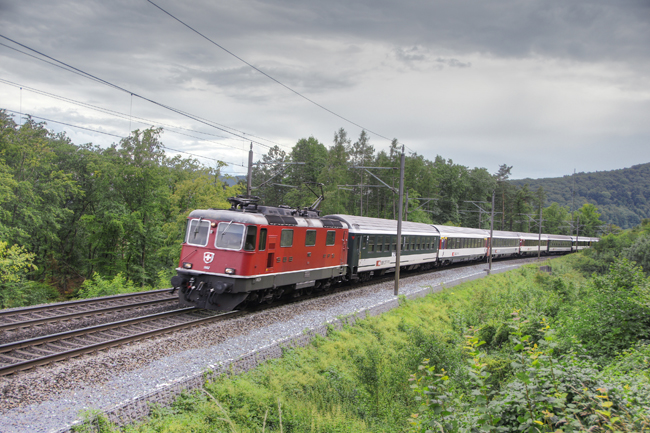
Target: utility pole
[578,233]
[249,180]
[399,223]
[573,198]
[539,240]
[406,211]
[491,233]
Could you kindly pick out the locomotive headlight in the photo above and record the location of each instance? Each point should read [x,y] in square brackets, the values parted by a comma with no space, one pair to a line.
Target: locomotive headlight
[230,271]
[187,265]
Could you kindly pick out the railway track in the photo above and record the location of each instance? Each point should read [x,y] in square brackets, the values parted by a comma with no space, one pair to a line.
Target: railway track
[42,350]
[67,311]
[27,354]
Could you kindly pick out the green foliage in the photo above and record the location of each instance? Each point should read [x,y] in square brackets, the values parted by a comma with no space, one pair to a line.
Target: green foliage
[15,290]
[544,393]
[98,286]
[622,196]
[614,313]
[639,252]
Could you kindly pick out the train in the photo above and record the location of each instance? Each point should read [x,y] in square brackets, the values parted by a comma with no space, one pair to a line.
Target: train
[250,254]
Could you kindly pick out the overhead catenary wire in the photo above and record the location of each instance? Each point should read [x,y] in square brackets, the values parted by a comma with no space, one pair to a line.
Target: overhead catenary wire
[115,86]
[119,136]
[122,115]
[267,75]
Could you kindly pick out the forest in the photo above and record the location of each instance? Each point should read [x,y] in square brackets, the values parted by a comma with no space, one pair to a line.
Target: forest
[72,214]
[622,196]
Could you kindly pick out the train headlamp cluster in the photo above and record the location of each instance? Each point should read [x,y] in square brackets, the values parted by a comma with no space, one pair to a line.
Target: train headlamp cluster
[230,271]
[187,265]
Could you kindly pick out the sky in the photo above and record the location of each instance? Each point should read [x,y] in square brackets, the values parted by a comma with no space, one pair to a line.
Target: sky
[547,87]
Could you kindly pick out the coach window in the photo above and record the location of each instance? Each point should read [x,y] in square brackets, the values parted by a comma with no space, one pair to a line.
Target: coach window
[229,236]
[380,244]
[197,232]
[331,238]
[371,244]
[251,238]
[393,242]
[286,239]
[310,238]
[262,245]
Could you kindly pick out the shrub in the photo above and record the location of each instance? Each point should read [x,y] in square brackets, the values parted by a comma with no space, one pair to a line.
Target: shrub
[614,313]
[98,286]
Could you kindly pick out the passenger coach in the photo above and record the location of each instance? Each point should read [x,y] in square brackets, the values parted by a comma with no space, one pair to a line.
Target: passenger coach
[460,244]
[373,245]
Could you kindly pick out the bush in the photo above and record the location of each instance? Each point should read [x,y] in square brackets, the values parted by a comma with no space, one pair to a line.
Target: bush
[639,252]
[614,313]
[98,286]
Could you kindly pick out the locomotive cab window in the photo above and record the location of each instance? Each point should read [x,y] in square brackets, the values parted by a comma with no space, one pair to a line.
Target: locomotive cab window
[286,240]
[197,232]
[251,238]
[331,238]
[310,238]
[230,236]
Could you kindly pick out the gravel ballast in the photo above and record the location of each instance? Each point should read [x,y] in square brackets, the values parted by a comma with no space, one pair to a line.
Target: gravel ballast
[123,380]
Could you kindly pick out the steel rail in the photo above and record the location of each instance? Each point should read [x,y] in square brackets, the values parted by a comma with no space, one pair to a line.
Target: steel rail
[13,368]
[86,313]
[41,308]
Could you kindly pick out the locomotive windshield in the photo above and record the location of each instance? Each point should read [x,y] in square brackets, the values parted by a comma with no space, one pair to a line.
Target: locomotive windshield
[230,236]
[197,232]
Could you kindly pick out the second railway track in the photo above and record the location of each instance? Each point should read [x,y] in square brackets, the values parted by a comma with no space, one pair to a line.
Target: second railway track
[26,354]
[35,321]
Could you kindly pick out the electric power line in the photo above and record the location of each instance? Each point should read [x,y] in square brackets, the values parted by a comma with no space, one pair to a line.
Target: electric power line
[120,115]
[115,86]
[265,74]
[119,136]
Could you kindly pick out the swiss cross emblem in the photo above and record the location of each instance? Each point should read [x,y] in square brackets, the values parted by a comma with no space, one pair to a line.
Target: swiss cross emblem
[208,257]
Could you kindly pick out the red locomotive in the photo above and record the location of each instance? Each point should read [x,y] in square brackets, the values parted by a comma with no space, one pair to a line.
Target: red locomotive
[250,254]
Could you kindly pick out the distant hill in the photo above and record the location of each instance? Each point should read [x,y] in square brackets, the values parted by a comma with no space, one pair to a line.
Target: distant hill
[232,180]
[622,196]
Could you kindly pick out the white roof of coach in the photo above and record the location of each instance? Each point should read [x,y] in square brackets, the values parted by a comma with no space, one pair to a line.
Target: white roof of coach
[533,236]
[559,237]
[461,232]
[504,234]
[377,225]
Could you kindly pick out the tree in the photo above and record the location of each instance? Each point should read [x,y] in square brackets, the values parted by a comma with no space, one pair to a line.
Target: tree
[313,154]
[270,172]
[334,173]
[556,219]
[503,190]
[362,152]
[589,219]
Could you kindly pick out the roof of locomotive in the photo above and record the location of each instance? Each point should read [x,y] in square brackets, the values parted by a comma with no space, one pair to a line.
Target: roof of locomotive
[461,231]
[279,217]
[360,224]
